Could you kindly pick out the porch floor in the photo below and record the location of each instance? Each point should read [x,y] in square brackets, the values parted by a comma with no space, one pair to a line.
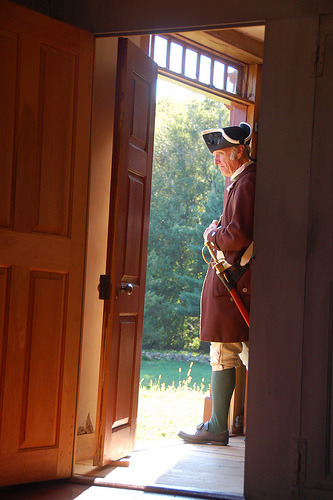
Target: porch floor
[175,466]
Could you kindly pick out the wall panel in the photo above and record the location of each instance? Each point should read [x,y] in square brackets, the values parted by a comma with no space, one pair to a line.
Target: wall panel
[317,379]
[279,268]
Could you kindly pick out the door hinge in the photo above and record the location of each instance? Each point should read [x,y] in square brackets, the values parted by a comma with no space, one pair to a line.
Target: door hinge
[300,462]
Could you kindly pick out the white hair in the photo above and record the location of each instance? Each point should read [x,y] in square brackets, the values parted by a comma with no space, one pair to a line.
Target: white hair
[246,152]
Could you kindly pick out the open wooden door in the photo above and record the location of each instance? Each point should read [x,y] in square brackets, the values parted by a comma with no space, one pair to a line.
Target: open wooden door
[46,75]
[127,253]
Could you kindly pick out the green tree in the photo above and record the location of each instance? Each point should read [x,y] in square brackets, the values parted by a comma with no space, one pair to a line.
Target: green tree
[187,193]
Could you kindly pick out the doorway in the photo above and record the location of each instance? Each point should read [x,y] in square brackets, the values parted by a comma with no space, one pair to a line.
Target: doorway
[187,193]
[100,192]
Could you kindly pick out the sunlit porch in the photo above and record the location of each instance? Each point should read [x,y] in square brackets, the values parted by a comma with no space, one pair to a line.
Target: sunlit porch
[174,467]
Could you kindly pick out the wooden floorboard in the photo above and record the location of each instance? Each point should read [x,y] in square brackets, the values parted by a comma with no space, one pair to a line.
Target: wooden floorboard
[174,464]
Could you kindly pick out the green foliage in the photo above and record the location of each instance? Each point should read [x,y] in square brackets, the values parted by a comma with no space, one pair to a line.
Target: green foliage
[187,193]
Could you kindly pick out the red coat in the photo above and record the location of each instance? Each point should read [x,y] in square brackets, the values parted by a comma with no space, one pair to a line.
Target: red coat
[221,321]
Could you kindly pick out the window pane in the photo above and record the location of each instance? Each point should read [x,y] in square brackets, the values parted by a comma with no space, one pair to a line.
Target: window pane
[204,72]
[191,61]
[160,51]
[176,53]
[232,80]
[218,76]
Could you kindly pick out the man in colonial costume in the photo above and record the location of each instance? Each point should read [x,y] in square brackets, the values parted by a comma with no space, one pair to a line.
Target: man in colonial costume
[221,322]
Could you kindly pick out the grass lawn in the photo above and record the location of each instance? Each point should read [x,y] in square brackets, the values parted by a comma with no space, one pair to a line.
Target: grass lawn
[171,398]
[174,372]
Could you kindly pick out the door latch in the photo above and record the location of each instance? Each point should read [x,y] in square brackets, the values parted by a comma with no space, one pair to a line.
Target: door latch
[104,286]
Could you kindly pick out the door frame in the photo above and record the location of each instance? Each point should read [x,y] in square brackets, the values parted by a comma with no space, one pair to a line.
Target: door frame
[101,190]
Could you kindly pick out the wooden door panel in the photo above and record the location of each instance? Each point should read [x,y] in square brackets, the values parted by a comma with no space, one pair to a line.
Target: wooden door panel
[26,167]
[46,135]
[127,338]
[9,67]
[14,363]
[44,350]
[42,240]
[127,249]
[57,103]
[4,308]
[137,159]
[132,264]
[140,112]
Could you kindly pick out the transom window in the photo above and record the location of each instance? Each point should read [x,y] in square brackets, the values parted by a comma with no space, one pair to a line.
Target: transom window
[196,65]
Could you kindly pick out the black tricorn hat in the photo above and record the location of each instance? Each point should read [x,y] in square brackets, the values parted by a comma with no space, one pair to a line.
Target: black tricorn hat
[221,138]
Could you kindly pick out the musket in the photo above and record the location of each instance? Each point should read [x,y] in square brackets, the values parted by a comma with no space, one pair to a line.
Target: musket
[229,276]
